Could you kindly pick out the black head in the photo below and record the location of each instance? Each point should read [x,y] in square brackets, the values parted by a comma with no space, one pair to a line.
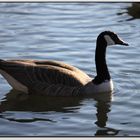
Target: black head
[110,38]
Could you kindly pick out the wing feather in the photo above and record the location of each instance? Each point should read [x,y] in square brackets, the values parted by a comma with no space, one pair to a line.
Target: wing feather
[48,72]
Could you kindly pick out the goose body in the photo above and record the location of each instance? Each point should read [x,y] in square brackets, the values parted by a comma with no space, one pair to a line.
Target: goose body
[56,78]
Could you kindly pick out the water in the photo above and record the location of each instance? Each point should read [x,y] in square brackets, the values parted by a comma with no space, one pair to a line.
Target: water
[67,32]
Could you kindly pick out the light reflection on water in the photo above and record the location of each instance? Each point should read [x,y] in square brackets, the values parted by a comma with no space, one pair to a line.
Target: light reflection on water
[67,32]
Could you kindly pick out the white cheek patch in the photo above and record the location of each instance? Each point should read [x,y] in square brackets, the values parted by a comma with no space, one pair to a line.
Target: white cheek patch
[109,40]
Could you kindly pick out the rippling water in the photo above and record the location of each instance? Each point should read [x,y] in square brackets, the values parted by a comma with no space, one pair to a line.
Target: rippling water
[67,32]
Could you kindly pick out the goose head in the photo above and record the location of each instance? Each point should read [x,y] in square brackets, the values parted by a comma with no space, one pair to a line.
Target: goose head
[106,38]
[110,38]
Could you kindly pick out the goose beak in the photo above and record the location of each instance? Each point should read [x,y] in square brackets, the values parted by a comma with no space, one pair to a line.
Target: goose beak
[121,42]
[125,44]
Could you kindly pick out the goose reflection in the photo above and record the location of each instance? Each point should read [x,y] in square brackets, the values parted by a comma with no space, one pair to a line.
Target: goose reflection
[106,132]
[17,101]
[103,108]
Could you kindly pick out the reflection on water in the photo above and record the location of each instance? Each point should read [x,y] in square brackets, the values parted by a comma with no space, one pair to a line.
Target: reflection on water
[17,101]
[20,102]
[103,108]
[106,132]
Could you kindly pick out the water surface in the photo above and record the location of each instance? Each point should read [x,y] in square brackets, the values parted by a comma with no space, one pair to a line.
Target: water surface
[67,32]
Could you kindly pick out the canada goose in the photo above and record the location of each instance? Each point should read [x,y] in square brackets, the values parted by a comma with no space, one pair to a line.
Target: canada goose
[59,79]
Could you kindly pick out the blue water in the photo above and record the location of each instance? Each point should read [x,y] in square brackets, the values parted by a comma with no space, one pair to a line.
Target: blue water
[67,32]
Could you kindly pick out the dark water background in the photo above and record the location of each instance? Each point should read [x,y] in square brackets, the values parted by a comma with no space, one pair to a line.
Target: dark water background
[67,32]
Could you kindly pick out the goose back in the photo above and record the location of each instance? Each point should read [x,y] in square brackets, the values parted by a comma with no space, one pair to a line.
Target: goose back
[48,75]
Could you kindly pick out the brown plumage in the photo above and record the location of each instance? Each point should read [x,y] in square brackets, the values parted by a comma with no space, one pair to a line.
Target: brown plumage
[45,77]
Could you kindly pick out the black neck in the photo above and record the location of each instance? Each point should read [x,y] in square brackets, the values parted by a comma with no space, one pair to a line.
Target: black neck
[101,66]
